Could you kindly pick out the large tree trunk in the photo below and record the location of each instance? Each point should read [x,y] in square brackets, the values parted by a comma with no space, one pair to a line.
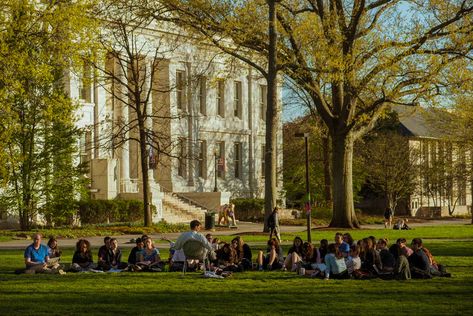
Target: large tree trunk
[327,173]
[342,160]
[148,220]
[270,189]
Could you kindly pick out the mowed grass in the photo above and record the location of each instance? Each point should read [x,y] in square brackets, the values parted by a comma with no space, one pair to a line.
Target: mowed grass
[250,293]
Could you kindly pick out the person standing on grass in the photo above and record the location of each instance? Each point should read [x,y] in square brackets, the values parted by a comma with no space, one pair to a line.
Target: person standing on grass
[273,225]
[388,218]
[36,258]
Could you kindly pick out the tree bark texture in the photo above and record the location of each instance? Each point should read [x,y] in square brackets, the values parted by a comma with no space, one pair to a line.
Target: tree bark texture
[343,206]
[270,189]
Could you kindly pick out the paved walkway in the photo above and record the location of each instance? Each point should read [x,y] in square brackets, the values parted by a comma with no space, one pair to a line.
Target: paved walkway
[243,228]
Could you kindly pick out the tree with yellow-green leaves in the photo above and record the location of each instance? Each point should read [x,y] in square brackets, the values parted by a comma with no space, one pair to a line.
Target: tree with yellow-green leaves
[39,43]
[353,58]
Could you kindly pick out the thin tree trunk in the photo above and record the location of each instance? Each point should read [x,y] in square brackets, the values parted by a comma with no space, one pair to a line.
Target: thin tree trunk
[148,220]
[270,190]
[342,159]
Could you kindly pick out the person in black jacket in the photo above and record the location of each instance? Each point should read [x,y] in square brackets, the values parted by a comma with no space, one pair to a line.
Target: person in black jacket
[273,225]
[418,261]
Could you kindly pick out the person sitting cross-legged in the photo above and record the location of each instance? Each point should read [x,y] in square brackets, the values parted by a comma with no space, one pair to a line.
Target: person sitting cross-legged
[336,267]
[37,258]
[149,259]
[82,260]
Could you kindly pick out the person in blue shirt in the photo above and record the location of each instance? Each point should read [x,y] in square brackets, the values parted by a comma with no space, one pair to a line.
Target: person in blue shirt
[36,258]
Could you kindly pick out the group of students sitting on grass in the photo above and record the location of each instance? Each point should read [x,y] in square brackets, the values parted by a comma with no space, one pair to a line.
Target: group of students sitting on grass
[345,258]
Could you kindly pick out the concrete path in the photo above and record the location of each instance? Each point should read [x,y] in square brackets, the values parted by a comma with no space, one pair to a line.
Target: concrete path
[243,228]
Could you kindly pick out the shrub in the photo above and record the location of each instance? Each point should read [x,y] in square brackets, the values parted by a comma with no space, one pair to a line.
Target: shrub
[109,211]
[249,209]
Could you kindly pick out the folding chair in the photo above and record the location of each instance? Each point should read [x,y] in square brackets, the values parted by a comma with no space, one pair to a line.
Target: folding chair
[194,250]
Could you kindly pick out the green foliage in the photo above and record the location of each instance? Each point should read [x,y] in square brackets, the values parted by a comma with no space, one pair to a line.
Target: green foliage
[110,211]
[38,43]
[249,209]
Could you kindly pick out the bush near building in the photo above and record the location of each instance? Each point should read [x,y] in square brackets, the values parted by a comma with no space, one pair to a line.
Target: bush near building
[110,211]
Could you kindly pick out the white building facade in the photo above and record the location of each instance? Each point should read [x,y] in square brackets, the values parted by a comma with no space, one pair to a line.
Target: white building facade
[209,116]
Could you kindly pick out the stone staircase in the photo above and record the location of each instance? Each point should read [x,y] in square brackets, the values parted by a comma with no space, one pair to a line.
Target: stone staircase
[178,210]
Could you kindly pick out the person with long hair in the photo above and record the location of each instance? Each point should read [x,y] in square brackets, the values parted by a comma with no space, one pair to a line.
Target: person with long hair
[149,259]
[53,249]
[401,268]
[273,259]
[336,267]
[82,260]
[243,252]
[227,258]
[294,255]
[369,257]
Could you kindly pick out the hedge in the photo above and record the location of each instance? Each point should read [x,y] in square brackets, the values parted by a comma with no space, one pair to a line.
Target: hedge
[110,211]
[249,209]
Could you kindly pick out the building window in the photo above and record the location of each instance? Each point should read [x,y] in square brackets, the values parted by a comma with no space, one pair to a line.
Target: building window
[221,98]
[85,84]
[202,159]
[263,165]
[237,160]
[202,86]
[180,90]
[237,108]
[220,151]
[263,95]
[181,169]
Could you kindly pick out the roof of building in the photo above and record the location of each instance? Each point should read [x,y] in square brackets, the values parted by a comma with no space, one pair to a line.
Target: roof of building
[418,121]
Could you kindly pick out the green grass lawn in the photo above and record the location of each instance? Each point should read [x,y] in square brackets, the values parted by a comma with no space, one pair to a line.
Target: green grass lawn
[253,293]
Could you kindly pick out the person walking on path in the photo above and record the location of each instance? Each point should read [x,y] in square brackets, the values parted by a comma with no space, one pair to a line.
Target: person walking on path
[273,225]
[388,218]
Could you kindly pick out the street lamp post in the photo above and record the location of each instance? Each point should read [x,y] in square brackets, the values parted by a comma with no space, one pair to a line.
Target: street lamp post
[216,170]
[307,184]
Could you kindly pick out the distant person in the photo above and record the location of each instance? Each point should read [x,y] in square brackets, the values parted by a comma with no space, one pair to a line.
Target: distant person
[37,258]
[223,215]
[273,225]
[388,217]
[231,214]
